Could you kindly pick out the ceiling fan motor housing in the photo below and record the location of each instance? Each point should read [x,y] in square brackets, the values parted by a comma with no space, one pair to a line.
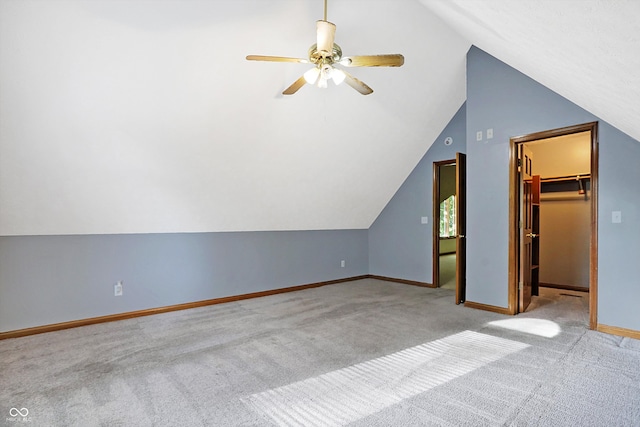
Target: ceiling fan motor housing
[315,56]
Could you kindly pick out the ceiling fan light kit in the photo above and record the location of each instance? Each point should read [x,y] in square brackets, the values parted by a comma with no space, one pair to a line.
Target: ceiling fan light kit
[325,54]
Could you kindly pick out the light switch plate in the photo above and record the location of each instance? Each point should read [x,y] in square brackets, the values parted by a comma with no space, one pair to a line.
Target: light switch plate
[616,217]
[424,220]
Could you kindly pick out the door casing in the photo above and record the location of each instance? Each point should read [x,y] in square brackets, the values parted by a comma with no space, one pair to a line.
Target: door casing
[514,215]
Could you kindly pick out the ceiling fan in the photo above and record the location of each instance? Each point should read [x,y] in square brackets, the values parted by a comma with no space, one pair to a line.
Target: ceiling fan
[325,55]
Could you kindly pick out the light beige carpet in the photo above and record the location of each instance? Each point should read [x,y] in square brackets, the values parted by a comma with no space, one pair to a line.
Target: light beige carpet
[366,353]
[448,271]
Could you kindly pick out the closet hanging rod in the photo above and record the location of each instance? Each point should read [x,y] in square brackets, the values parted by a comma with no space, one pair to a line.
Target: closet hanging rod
[550,197]
[566,178]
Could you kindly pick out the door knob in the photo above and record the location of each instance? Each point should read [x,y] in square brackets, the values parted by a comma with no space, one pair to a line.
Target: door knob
[532,235]
[461,235]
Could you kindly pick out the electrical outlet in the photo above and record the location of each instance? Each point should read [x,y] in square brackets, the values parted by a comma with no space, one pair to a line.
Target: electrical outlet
[424,220]
[616,217]
[342,263]
[117,289]
[490,133]
[479,135]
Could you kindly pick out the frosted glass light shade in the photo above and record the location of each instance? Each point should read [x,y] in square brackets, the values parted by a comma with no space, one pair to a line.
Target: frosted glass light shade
[311,76]
[338,76]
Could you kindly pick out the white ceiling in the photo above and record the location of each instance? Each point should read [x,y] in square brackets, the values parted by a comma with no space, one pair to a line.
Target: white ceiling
[143,116]
[586,50]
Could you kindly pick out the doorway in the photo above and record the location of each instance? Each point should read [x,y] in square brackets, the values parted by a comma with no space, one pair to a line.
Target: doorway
[524,243]
[449,222]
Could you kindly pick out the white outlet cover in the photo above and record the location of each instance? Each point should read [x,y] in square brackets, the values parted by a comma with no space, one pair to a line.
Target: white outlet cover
[479,135]
[489,133]
[424,220]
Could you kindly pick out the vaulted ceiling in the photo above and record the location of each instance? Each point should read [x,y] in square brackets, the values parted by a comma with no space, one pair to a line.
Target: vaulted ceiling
[585,50]
[144,116]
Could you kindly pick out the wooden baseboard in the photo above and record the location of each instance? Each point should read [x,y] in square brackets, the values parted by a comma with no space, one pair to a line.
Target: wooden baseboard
[403,281]
[623,332]
[140,313]
[487,307]
[567,287]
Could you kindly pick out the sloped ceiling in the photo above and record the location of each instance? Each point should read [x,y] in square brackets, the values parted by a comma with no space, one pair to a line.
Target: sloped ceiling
[586,50]
[143,116]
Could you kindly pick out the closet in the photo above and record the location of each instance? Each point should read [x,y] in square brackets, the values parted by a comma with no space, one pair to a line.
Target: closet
[563,221]
[561,217]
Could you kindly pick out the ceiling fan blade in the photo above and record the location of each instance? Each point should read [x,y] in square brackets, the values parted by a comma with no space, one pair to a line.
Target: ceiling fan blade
[357,84]
[326,34]
[276,59]
[295,86]
[394,60]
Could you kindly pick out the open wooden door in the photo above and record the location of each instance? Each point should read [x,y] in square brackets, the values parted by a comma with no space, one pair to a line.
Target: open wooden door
[461,224]
[525,161]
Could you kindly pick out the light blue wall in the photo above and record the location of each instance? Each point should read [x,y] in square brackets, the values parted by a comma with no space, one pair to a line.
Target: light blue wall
[399,245]
[618,244]
[52,279]
[512,104]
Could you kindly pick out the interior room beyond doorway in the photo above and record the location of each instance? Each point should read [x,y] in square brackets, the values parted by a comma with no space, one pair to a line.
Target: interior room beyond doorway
[447,257]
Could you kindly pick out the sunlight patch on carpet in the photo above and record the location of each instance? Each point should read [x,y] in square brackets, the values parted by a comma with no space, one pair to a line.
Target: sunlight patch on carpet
[349,394]
[541,327]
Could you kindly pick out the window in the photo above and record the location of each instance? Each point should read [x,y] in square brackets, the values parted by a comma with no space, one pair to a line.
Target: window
[448,217]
